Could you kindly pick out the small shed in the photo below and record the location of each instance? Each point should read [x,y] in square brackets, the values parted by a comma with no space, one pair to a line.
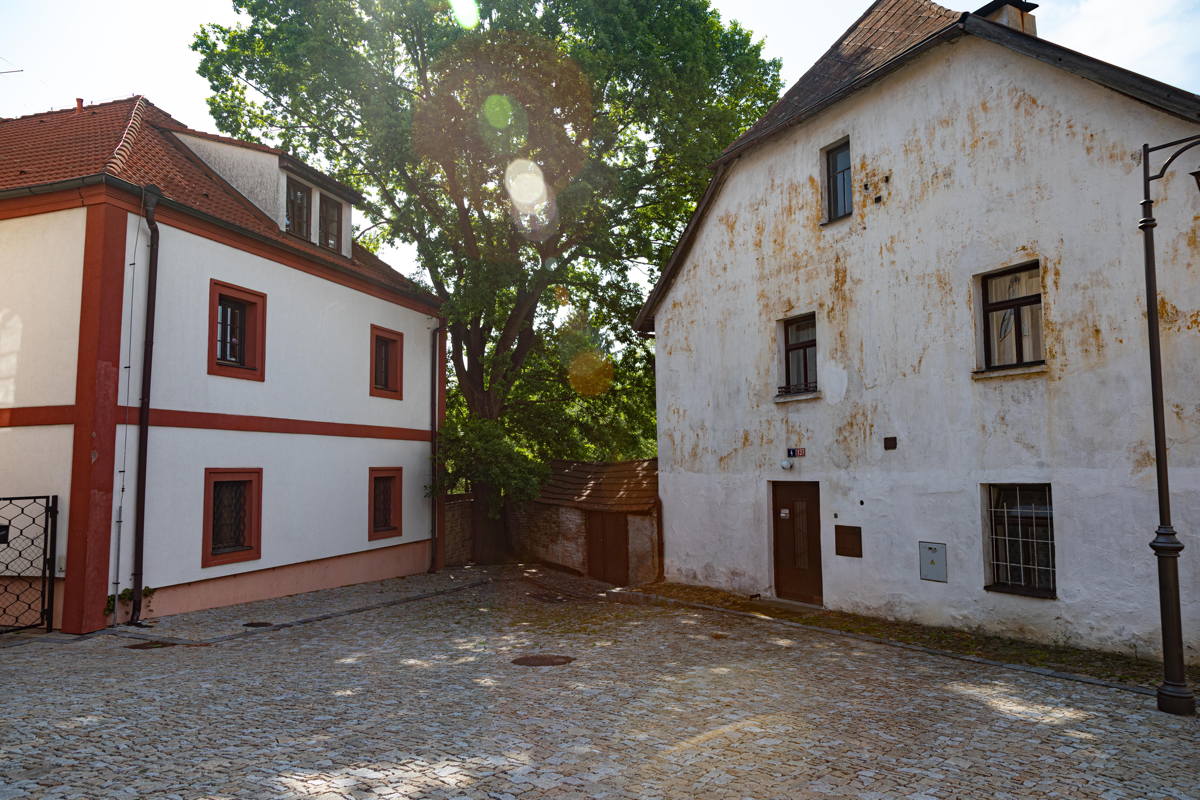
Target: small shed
[600,520]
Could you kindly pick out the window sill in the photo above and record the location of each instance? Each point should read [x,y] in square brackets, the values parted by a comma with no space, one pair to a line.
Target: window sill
[1043,594]
[796,398]
[1009,372]
[836,220]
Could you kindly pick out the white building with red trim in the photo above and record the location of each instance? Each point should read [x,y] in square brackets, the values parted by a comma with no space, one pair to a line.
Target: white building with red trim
[287,402]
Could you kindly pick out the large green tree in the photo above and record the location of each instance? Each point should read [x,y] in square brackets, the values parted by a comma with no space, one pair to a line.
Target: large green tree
[541,156]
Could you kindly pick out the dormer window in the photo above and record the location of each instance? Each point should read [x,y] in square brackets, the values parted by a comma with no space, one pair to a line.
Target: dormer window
[330,228]
[299,208]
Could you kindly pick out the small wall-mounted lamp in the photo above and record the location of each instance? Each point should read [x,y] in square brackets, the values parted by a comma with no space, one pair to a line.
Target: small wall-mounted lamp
[785,464]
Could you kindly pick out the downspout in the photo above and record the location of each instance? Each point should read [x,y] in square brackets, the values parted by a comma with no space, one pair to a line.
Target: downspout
[152,196]
[437,364]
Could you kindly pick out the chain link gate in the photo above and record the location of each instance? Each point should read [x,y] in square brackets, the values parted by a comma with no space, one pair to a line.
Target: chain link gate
[28,534]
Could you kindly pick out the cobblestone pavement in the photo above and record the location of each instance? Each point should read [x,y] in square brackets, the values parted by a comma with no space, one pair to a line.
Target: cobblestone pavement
[420,699]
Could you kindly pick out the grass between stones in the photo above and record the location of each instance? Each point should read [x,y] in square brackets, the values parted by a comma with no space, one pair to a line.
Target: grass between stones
[1107,666]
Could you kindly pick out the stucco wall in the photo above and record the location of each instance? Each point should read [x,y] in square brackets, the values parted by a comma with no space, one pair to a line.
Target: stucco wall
[252,172]
[981,159]
[41,261]
[317,368]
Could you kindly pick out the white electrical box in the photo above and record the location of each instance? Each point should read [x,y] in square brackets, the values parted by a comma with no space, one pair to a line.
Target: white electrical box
[933,561]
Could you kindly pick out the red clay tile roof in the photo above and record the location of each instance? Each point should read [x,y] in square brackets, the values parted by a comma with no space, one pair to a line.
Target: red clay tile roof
[133,140]
[887,29]
[625,486]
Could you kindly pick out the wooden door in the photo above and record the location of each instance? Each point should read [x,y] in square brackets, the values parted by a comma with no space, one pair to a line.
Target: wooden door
[608,547]
[796,524]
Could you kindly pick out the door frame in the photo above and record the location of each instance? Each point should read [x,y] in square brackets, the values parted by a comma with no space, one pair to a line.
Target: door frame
[771,484]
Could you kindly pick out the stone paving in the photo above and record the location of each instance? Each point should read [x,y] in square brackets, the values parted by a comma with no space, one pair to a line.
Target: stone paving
[419,699]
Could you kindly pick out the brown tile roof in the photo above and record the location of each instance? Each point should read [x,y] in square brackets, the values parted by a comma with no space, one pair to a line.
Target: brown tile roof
[625,486]
[133,140]
[887,29]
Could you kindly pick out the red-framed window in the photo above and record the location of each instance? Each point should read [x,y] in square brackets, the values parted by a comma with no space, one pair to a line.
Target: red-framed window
[387,363]
[385,517]
[237,331]
[232,516]
[329,224]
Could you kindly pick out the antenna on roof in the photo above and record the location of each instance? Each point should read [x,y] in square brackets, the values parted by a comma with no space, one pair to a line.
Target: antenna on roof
[10,71]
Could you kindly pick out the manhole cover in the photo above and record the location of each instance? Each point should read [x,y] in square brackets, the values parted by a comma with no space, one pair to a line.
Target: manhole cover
[542,661]
[258,624]
[149,645]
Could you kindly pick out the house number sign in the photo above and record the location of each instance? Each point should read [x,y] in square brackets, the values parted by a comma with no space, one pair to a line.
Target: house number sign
[795,452]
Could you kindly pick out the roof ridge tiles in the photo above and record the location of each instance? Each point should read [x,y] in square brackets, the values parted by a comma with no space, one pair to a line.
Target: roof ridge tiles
[121,152]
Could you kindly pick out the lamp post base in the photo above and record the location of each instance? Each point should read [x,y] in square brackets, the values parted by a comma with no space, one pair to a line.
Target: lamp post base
[1175,699]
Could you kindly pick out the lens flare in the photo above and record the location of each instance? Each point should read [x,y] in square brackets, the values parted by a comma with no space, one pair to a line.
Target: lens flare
[562,295]
[465,12]
[590,374]
[498,111]
[526,186]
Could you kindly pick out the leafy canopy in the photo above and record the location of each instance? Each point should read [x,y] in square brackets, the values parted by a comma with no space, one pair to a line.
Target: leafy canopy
[542,157]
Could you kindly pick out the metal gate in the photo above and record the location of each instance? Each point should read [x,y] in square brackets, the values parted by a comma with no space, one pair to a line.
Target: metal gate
[28,533]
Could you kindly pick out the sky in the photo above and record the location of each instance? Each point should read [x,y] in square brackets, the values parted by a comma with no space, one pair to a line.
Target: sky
[106,49]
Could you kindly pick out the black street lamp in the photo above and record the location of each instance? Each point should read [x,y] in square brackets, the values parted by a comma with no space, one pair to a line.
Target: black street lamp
[1174,695]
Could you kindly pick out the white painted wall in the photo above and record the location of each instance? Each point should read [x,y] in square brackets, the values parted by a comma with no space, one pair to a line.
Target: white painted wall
[37,461]
[41,269]
[318,346]
[315,488]
[993,159]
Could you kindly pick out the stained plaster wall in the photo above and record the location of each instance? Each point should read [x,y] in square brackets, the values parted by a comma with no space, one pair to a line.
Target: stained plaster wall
[981,159]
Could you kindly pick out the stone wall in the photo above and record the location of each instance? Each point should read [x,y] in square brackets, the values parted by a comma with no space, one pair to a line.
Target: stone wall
[552,534]
[458,529]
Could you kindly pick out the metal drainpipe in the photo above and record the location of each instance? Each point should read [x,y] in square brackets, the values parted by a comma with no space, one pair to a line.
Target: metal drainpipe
[436,350]
[152,196]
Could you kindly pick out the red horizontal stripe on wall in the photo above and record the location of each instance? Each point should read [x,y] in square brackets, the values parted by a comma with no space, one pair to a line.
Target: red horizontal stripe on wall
[36,415]
[165,418]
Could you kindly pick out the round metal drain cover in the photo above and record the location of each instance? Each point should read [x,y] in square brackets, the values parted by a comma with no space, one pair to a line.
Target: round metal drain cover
[542,661]
[258,624]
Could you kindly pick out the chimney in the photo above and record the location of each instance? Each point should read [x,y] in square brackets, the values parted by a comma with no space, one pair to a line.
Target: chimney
[1013,13]
[78,104]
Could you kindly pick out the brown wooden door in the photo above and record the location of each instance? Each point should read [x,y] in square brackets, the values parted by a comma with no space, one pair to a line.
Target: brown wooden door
[796,522]
[608,547]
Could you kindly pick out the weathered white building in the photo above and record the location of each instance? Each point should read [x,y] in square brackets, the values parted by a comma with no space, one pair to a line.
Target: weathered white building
[296,380]
[901,347]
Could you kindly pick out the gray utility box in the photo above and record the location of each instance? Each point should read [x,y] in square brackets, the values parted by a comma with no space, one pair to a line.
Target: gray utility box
[933,561]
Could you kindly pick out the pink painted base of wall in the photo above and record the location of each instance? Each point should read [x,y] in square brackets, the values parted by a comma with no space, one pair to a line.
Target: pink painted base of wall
[308,576]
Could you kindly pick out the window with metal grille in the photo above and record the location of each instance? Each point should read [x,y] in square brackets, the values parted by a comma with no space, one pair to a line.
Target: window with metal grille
[385,510]
[837,160]
[387,363]
[232,515]
[385,486]
[1012,318]
[329,233]
[299,208]
[237,331]
[800,355]
[231,331]
[1020,534]
[229,516]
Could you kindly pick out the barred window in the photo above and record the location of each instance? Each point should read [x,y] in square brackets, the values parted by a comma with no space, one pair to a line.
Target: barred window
[232,515]
[229,516]
[385,518]
[1020,522]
